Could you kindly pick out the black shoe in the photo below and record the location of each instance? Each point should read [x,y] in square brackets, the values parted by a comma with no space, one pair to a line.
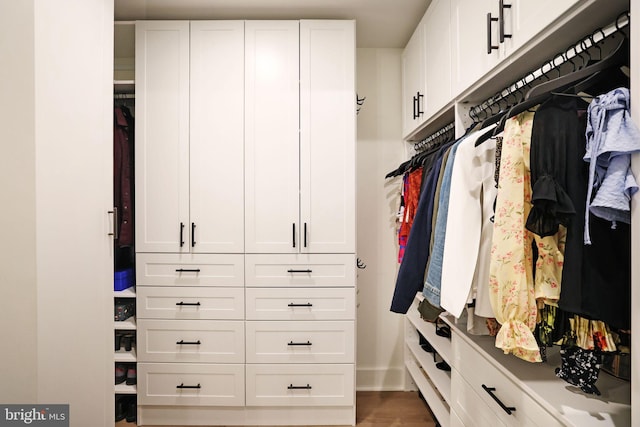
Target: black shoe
[131,375]
[127,341]
[121,373]
[132,410]
[443,366]
[120,408]
[118,341]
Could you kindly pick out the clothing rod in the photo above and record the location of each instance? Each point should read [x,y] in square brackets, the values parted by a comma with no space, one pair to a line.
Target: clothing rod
[124,96]
[622,21]
[425,143]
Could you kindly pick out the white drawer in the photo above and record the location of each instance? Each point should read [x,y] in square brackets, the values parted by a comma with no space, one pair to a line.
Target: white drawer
[300,303]
[189,269]
[300,385]
[300,342]
[155,302]
[312,270]
[190,341]
[468,407]
[492,385]
[190,384]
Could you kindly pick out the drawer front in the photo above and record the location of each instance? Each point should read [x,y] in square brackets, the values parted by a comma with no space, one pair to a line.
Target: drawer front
[189,270]
[300,342]
[491,385]
[300,385]
[312,270]
[191,384]
[300,304]
[471,410]
[156,302]
[190,341]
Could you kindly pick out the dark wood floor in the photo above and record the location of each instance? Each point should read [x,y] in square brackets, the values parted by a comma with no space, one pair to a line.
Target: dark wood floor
[383,409]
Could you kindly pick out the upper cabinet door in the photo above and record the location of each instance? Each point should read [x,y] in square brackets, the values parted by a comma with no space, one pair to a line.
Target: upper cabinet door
[217,137]
[413,82]
[471,40]
[327,136]
[271,137]
[437,35]
[162,136]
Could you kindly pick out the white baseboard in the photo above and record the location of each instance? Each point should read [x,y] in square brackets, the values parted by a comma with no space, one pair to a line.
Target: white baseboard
[380,379]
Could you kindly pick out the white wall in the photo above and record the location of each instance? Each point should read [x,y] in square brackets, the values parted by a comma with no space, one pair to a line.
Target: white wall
[18,311]
[380,148]
[55,183]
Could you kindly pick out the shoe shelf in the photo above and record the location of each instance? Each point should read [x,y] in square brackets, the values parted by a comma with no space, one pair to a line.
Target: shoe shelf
[441,379]
[126,325]
[125,389]
[428,331]
[436,402]
[125,356]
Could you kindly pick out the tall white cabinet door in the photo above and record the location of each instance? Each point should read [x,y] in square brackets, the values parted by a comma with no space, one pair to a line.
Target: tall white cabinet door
[217,137]
[413,81]
[271,137]
[327,136]
[437,28]
[469,41]
[162,136]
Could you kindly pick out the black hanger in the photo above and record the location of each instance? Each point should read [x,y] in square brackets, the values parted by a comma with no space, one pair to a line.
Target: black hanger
[619,56]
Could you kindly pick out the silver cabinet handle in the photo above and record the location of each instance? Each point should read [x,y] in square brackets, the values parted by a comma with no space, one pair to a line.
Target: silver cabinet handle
[115,233]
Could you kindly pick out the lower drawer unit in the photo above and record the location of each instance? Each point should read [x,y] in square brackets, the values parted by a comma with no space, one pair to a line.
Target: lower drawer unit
[300,303]
[190,384]
[508,401]
[155,302]
[300,385]
[468,406]
[209,341]
[300,342]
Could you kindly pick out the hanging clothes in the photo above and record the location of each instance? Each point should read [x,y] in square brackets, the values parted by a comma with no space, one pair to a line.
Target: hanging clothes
[123,174]
[412,182]
[465,263]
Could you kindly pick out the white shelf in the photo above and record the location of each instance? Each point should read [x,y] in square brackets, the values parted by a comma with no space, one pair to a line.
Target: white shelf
[438,406]
[124,86]
[125,356]
[125,389]
[128,325]
[428,330]
[125,293]
[440,379]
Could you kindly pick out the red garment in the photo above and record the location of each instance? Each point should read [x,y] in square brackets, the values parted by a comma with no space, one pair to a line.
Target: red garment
[411,198]
[122,177]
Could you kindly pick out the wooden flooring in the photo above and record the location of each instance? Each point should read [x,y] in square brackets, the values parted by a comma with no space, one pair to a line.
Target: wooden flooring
[383,409]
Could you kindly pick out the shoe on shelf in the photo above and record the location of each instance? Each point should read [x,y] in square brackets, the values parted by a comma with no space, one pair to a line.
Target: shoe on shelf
[121,373]
[121,408]
[131,375]
[131,410]
[128,341]
[118,341]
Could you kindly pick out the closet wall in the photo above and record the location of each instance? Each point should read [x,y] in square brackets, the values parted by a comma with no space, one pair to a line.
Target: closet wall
[56,117]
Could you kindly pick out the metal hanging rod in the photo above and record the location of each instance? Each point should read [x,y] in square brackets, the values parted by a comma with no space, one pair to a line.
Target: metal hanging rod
[558,60]
[438,137]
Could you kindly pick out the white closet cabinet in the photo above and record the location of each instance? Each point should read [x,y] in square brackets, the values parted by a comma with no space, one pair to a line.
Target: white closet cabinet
[300,137]
[413,81]
[189,137]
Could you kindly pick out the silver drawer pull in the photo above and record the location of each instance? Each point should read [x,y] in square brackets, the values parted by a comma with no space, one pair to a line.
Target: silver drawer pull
[299,343]
[291,304]
[490,390]
[181,386]
[298,387]
[183,342]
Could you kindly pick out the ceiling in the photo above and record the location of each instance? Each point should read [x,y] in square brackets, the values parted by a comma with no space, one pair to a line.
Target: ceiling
[379,23]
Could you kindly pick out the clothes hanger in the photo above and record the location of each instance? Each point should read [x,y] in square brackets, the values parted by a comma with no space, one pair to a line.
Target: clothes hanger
[617,57]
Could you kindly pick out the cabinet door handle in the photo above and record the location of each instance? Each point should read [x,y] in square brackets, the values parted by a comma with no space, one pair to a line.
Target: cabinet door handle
[298,387]
[299,271]
[115,233]
[490,390]
[291,343]
[305,234]
[294,234]
[187,270]
[189,386]
[490,46]
[193,234]
[415,101]
[181,234]
[181,303]
[420,96]
[502,7]
[183,342]
[300,305]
